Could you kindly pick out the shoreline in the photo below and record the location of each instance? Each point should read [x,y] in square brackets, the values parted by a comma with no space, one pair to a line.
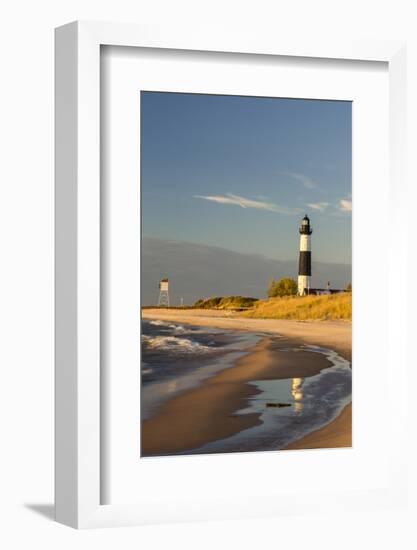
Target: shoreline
[337,433]
[214,404]
[336,335]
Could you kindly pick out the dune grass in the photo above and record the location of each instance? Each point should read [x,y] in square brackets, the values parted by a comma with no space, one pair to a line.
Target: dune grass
[335,306]
[226,302]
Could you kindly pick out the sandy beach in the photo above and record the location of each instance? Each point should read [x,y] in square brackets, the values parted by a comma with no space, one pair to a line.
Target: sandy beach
[213,404]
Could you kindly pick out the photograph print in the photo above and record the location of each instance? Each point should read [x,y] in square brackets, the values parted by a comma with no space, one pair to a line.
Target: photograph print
[246,274]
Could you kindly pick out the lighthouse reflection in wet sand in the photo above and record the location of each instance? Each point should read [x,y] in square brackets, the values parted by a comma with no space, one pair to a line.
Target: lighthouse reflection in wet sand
[304,265]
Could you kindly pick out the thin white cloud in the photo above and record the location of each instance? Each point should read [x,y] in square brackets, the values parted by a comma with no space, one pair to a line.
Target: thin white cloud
[320,206]
[345,205]
[236,200]
[306,181]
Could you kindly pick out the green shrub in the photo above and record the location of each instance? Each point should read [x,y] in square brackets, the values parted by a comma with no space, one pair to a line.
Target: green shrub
[284,287]
[226,302]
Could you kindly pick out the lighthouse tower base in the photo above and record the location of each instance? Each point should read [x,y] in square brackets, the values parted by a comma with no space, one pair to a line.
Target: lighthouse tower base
[303,285]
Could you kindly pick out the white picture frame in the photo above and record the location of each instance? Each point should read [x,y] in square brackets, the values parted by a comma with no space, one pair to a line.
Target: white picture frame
[78,405]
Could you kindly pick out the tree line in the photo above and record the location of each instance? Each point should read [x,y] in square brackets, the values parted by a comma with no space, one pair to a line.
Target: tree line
[286,286]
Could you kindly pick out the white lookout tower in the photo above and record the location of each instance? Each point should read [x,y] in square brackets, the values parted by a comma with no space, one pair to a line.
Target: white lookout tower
[163,299]
[304,265]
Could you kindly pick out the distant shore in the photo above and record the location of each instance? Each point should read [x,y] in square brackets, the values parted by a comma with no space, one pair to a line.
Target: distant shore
[213,403]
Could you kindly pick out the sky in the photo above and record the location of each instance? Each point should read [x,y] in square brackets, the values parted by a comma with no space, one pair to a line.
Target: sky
[241,172]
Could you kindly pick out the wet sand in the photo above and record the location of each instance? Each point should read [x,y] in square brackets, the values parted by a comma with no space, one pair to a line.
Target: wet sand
[335,434]
[206,413]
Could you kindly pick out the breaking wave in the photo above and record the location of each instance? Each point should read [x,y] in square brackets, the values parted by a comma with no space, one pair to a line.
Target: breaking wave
[178,329]
[173,344]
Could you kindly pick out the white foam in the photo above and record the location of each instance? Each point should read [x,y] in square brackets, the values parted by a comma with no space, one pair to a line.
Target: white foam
[147,371]
[174,344]
[158,323]
[178,329]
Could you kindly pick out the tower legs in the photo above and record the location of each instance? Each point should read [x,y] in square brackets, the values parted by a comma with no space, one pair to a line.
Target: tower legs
[163,299]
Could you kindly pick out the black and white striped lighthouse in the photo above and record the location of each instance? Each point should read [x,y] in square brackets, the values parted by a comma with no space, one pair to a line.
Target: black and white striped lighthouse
[304,264]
